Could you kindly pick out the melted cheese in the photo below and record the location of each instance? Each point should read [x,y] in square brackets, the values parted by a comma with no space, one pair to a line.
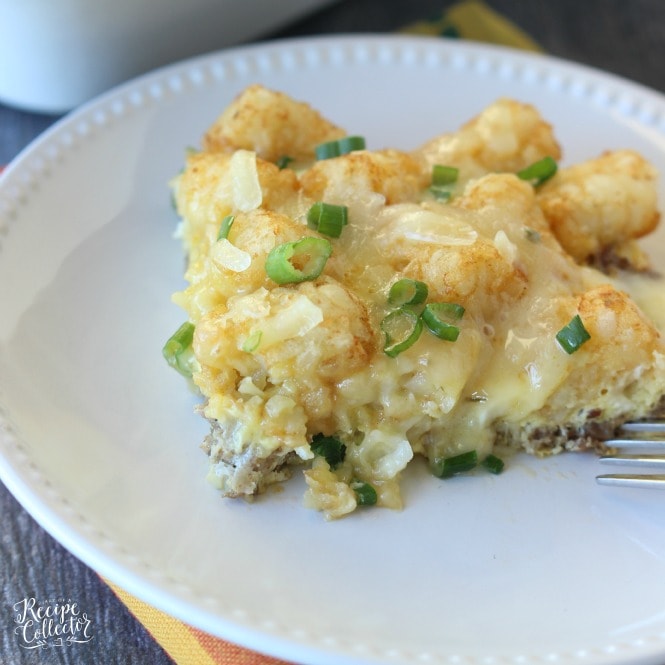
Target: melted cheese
[281,364]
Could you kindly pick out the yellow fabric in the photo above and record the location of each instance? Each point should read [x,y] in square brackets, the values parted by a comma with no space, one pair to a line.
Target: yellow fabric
[472,20]
[187,645]
[476,21]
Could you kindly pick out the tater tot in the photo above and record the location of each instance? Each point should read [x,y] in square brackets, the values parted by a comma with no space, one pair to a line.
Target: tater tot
[271,124]
[506,136]
[600,205]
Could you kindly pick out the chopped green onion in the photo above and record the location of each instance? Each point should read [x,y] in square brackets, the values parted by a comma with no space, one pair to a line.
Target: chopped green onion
[444,175]
[445,467]
[339,147]
[252,342]
[402,328]
[327,150]
[298,261]
[440,193]
[437,317]
[538,172]
[349,144]
[365,493]
[407,292]
[284,161]
[329,447]
[493,464]
[442,179]
[178,350]
[225,227]
[572,336]
[327,218]
[531,234]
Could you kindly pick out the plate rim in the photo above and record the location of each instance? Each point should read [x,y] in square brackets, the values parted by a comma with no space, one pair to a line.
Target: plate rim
[32,163]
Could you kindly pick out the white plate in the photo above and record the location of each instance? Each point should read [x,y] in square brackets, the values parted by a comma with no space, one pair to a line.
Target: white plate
[99,443]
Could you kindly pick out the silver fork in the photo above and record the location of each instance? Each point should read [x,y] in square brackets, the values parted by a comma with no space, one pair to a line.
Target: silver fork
[641,445]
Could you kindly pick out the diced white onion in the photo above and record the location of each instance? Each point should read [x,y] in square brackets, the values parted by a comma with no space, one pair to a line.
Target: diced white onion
[179,232]
[247,387]
[304,452]
[295,320]
[247,194]
[279,405]
[385,454]
[506,248]
[227,255]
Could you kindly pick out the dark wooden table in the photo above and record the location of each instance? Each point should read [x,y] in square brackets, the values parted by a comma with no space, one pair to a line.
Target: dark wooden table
[625,38]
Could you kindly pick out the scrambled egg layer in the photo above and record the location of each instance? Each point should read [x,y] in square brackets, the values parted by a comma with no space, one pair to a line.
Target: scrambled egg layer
[280,364]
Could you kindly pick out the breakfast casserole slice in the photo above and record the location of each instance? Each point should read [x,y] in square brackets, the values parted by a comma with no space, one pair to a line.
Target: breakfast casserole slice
[349,308]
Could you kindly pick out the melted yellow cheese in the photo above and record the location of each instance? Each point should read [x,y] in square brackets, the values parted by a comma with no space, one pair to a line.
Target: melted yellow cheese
[283,363]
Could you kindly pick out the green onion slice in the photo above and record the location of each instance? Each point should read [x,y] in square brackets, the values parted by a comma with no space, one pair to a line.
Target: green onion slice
[327,150]
[348,144]
[252,342]
[572,336]
[446,467]
[402,329]
[444,175]
[284,161]
[438,316]
[178,350]
[339,147]
[538,172]
[532,235]
[327,218]
[365,493]
[407,292]
[441,193]
[225,227]
[493,464]
[298,261]
[329,447]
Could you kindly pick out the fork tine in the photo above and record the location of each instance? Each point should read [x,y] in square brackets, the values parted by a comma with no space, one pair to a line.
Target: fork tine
[644,426]
[652,431]
[647,436]
[656,481]
[653,444]
[646,461]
